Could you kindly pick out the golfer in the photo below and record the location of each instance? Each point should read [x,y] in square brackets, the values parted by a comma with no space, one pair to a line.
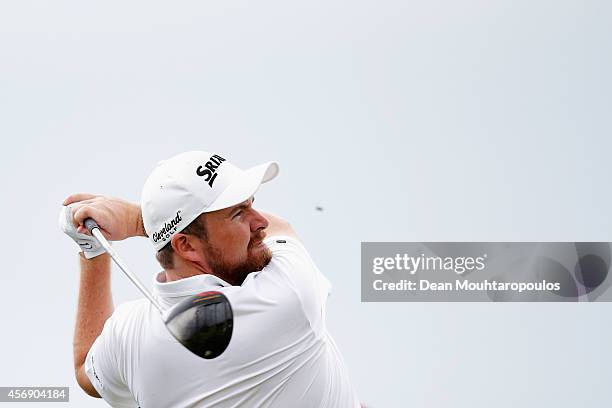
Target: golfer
[197,211]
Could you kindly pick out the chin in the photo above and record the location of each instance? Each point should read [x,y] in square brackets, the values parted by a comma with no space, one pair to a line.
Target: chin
[261,257]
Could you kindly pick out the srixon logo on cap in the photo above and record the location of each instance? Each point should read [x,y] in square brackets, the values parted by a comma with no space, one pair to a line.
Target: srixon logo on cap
[209,170]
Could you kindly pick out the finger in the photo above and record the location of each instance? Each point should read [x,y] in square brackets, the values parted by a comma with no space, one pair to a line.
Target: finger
[79,215]
[90,204]
[82,203]
[73,198]
[106,234]
[84,230]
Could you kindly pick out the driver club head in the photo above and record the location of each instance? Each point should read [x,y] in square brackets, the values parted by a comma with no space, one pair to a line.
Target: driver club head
[202,323]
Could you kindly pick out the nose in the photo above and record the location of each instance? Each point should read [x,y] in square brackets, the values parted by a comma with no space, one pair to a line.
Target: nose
[258,221]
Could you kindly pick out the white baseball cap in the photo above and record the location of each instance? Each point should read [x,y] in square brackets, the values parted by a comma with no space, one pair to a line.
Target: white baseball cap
[183,187]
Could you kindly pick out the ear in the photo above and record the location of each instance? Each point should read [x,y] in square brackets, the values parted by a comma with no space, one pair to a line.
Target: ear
[187,247]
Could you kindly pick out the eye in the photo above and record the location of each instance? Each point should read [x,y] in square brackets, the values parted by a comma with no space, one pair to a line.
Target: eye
[237,214]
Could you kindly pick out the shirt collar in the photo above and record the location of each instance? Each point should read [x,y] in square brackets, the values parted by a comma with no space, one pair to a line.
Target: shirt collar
[186,286]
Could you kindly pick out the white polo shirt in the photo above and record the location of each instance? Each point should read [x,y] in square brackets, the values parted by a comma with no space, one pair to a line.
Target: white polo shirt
[280,354]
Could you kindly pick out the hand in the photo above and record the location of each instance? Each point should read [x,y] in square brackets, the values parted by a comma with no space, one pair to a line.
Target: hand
[90,246]
[118,219]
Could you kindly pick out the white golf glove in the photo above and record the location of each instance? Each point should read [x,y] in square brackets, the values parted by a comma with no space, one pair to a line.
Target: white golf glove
[90,246]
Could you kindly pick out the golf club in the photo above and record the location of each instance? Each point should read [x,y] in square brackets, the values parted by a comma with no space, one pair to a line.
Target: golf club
[202,323]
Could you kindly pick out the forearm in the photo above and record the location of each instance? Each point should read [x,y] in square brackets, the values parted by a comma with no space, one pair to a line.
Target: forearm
[278,226]
[95,304]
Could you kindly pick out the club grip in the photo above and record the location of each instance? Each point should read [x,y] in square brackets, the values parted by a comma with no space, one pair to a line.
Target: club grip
[90,224]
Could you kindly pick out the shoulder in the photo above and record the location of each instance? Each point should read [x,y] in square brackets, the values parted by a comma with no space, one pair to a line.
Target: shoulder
[293,268]
[133,306]
[291,259]
[286,245]
[131,309]
[128,314]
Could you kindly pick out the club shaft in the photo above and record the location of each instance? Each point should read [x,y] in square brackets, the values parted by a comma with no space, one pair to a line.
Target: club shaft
[105,244]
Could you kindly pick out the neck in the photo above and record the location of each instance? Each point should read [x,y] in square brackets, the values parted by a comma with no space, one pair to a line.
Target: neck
[184,270]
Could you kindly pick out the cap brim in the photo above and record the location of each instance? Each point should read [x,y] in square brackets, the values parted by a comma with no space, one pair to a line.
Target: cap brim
[241,190]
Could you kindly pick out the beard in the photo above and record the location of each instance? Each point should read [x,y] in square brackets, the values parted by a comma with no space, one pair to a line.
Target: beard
[234,272]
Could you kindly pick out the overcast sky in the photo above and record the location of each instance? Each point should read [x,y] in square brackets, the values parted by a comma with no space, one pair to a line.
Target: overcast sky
[405,120]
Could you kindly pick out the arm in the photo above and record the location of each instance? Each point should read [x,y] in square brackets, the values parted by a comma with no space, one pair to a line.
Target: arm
[278,226]
[118,219]
[95,305]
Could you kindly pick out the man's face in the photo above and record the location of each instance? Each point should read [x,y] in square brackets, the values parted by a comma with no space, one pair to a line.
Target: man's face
[234,246]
